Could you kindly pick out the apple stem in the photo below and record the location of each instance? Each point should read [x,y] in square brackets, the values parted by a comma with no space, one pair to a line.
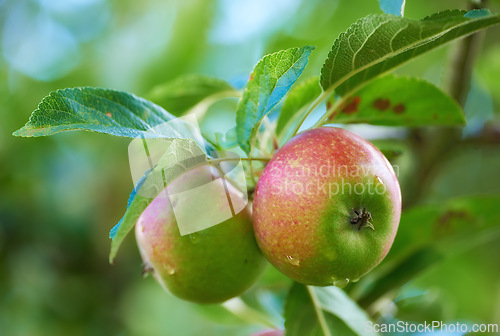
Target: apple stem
[147,270]
[362,218]
[368,224]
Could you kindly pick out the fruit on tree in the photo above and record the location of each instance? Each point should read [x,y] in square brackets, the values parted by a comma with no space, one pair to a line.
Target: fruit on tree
[326,207]
[208,266]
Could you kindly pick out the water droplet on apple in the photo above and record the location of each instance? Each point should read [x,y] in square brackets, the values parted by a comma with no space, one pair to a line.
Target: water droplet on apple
[170,270]
[293,261]
[341,283]
[194,238]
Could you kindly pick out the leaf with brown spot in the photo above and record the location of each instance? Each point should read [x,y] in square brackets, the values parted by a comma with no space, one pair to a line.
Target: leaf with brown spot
[399,108]
[382,104]
[448,223]
[351,105]
[399,101]
[470,221]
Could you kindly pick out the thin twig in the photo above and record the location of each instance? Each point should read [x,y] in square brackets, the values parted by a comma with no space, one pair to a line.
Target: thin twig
[252,174]
[311,108]
[272,132]
[433,144]
[319,312]
[256,158]
[463,63]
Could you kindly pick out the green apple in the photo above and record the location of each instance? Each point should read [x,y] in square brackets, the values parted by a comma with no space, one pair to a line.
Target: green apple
[327,207]
[207,266]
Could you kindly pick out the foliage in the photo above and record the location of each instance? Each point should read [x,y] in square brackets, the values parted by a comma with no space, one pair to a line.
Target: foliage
[269,82]
[352,87]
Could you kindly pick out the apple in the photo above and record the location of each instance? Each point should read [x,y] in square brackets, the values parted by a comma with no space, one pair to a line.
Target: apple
[326,207]
[207,266]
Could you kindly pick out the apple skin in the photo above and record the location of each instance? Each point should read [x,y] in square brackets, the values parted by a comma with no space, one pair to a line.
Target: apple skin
[209,266]
[304,203]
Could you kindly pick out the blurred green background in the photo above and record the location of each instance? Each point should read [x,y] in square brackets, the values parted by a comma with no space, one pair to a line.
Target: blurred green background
[60,196]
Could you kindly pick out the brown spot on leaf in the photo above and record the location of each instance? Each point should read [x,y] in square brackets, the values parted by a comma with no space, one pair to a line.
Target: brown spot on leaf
[251,77]
[434,116]
[399,108]
[328,105]
[382,104]
[350,106]
[109,114]
[446,223]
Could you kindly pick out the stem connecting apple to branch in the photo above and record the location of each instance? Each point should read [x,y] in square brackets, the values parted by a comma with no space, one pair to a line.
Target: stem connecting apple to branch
[311,108]
[329,112]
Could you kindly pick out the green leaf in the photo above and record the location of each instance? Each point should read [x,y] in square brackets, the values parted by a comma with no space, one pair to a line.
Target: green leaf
[295,104]
[226,140]
[183,93]
[180,156]
[426,235]
[105,111]
[391,149]
[269,82]
[378,43]
[396,275]
[468,169]
[399,101]
[320,311]
[219,314]
[447,224]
